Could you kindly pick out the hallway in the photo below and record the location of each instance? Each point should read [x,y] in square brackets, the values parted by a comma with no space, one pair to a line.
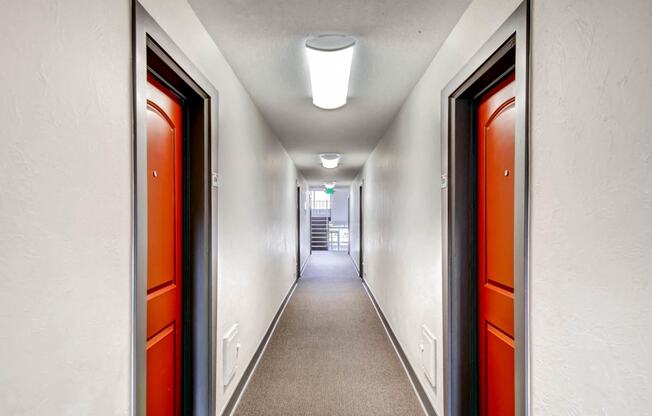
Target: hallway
[329,354]
[308,207]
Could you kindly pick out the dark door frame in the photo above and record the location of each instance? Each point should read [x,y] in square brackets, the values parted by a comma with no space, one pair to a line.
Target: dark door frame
[361,228]
[298,232]
[348,222]
[154,52]
[507,50]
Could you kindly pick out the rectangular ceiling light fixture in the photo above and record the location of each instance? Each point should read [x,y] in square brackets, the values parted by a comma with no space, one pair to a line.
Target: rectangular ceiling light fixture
[329,59]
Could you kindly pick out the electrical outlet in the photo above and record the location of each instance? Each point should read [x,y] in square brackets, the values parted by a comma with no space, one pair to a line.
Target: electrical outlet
[230,350]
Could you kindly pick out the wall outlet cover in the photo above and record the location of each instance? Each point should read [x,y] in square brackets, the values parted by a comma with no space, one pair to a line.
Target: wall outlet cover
[230,349]
[428,350]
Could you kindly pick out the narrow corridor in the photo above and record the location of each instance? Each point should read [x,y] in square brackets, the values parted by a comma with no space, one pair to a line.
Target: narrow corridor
[326,208]
[329,354]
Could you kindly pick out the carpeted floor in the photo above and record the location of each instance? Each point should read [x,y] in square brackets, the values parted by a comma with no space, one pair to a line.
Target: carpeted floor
[329,354]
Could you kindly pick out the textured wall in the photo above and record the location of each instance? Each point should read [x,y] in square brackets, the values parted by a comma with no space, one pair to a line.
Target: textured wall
[591,268]
[402,199]
[340,206]
[65,207]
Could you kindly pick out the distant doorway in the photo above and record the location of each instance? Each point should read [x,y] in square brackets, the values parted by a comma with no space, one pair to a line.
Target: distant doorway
[361,232]
[329,220]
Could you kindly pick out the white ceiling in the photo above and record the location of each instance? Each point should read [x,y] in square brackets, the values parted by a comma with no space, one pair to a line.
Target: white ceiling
[263,40]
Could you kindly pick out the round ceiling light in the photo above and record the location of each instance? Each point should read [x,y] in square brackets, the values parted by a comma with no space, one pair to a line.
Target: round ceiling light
[330,160]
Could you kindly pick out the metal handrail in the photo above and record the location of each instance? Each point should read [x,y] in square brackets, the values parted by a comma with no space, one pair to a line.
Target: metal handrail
[320,205]
[342,239]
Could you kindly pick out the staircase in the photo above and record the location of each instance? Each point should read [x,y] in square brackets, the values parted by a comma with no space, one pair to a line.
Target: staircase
[319,233]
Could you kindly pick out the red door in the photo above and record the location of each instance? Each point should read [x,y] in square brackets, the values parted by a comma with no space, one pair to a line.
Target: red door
[164,273]
[496,130]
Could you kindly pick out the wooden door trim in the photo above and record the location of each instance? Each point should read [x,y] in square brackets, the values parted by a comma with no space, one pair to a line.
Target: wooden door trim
[153,51]
[507,50]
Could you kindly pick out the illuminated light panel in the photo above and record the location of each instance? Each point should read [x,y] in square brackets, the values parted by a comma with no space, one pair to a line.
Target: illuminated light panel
[330,160]
[329,60]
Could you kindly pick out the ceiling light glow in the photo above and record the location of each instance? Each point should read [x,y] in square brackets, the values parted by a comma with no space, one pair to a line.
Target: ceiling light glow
[330,160]
[329,185]
[329,59]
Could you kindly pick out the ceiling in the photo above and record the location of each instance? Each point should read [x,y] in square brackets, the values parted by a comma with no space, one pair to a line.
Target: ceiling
[264,40]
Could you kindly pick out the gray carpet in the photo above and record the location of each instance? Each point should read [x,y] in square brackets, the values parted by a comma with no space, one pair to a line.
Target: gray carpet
[329,354]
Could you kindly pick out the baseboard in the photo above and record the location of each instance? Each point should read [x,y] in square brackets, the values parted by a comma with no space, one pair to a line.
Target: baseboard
[233,402]
[355,266]
[412,375]
[305,263]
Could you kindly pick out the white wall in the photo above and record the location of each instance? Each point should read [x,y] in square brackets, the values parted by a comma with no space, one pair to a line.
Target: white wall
[591,268]
[65,204]
[591,209]
[65,208]
[340,206]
